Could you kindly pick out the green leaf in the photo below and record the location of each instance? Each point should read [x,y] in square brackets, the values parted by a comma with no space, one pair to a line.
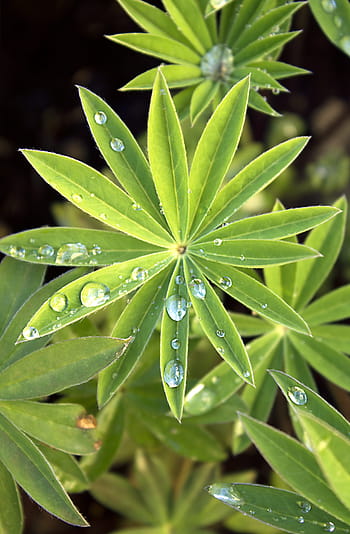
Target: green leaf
[138,319]
[95,194]
[167,155]
[66,364]
[11,515]
[334,19]
[202,95]
[328,239]
[331,363]
[95,247]
[241,16]
[249,326]
[188,18]
[277,69]
[174,342]
[252,252]
[110,426]
[332,451]
[258,102]
[158,46]
[261,47]
[279,508]
[336,336]
[34,474]
[66,468]
[175,75]
[252,179]
[17,282]
[334,306]
[215,151]
[296,365]
[296,465]
[254,295]
[98,289]
[59,425]
[226,412]
[259,78]
[216,322]
[129,165]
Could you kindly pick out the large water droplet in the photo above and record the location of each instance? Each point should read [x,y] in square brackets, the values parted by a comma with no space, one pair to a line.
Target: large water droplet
[175,343]
[345,44]
[94,294]
[217,64]
[176,307]
[304,506]
[58,302]
[72,252]
[225,282]
[220,333]
[226,493]
[173,373]
[217,242]
[297,395]
[198,289]
[100,117]
[179,279]
[46,251]
[329,5]
[77,198]
[139,274]
[329,527]
[117,144]
[30,332]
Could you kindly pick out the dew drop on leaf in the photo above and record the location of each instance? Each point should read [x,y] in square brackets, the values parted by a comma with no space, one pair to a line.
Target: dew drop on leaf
[136,207]
[139,274]
[117,144]
[220,333]
[220,350]
[217,4]
[304,506]
[17,252]
[58,302]
[217,242]
[264,306]
[225,282]
[71,252]
[301,519]
[77,198]
[173,373]
[100,117]
[103,216]
[198,289]
[329,5]
[95,250]
[176,307]
[30,332]
[46,251]
[175,343]
[179,279]
[226,493]
[329,527]
[242,257]
[297,395]
[94,294]
[246,374]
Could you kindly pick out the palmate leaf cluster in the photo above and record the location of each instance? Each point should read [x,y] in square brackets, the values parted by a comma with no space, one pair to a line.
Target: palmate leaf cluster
[211,46]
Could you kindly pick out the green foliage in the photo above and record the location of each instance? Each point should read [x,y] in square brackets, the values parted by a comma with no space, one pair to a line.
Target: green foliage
[334,18]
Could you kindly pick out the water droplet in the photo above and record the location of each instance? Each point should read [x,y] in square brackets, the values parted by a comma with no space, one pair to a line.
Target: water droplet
[46,251]
[198,288]
[95,250]
[100,117]
[275,91]
[173,373]
[29,332]
[246,374]
[139,274]
[220,350]
[217,4]
[77,198]
[217,242]
[297,395]
[269,510]
[225,282]
[226,493]
[264,306]
[220,333]
[242,257]
[175,343]
[72,252]
[58,302]
[329,5]
[103,216]
[176,307]
[17,252]
[117,144]
[345,44]
[136,207]
[217,63]
[329,527]
[304,506]
[94,294]
[338,21]
[300,519]
[179,279]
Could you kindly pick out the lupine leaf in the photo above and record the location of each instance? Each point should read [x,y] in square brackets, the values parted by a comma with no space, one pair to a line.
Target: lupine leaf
[336,336]
[260,103]
[220,137]
[334,306]
[296,366]
[95,194]
[175,75]
[334,19]
[331,363]
[216,323]
[279,508]
[167,155]
[156,45]
[259,78]
[248,12]
[17,282]
[59,425]
[66,468]
[202,95]
[110,283]
[249,326]
[138,319]
[296,465]
[102,247]
[174,342]
[11,515]
[263,46]
[34,474]
[278,69]
[328,239]
[252,179]
[67,364]
[253,294]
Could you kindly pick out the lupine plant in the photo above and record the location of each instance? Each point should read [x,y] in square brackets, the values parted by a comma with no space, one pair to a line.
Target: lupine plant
[138,332]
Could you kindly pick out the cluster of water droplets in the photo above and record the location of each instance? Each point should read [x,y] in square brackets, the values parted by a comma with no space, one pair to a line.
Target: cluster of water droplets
[330,7]
[68,253]
[115,143]
[217,63]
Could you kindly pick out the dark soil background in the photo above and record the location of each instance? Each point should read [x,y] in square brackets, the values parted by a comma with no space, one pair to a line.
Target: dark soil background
[47,48]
